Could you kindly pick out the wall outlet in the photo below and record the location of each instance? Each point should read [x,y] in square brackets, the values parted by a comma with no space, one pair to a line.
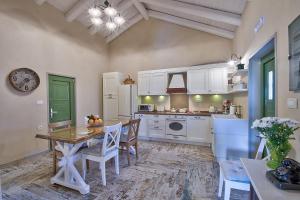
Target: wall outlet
[39,102]
[292,103]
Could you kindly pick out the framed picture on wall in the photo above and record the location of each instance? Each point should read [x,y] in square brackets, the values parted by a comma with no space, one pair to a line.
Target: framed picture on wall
[294,54]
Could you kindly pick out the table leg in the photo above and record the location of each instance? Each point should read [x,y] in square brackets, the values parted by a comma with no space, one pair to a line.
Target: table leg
[68,175]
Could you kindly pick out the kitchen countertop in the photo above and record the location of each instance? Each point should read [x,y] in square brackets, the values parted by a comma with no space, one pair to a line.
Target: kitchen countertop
[201,113]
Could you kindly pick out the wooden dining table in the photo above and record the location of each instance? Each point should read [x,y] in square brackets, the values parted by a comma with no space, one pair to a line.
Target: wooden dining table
[69,141]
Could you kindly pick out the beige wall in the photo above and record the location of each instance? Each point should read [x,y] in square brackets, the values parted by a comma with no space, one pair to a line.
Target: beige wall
[39,38]
[155,44]
[278,15]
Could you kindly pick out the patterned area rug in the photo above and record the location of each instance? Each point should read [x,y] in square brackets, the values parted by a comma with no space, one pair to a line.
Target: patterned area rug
[164,171]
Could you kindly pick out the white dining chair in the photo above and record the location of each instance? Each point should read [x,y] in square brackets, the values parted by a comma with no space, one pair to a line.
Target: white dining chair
[232,173]
[104,151]
[95,140]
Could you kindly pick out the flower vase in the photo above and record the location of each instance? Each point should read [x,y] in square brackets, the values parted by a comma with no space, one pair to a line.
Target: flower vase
[278,153]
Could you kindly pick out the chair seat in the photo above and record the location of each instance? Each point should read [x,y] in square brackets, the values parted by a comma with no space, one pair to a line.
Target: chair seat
[95,150]
[233,170]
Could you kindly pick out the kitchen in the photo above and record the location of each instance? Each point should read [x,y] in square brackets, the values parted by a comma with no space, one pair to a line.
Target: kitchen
[180,104]
[149,99]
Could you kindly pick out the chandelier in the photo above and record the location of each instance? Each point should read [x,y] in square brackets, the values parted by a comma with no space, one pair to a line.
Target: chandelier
[105,15]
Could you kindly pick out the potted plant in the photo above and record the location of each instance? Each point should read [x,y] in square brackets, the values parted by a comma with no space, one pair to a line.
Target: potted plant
[277,132]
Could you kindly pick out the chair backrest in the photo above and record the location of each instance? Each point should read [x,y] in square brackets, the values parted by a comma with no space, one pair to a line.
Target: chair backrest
[59,125]
[260,150]
[133,131]
[111,139]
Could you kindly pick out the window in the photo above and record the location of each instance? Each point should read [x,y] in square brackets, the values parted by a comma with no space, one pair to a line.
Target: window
[270,85]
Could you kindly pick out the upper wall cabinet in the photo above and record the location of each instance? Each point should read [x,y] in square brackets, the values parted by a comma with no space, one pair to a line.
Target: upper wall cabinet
[218,81]
[197,81]
[208,81]
[144,84]
[158,83]
[152,83]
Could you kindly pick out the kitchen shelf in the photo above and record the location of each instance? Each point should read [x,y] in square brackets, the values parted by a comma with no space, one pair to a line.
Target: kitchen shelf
[237,91]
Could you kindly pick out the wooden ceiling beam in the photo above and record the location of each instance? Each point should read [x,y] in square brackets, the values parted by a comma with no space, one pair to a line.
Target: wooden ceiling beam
[125,27]
[208,13]
[192,24]
[124,5]
[77,9]
[141,8]
[40,2]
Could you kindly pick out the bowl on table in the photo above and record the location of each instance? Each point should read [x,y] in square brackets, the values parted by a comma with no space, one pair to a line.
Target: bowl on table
[93,121]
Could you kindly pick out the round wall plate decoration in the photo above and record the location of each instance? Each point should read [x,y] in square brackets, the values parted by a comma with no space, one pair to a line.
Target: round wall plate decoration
[24,79]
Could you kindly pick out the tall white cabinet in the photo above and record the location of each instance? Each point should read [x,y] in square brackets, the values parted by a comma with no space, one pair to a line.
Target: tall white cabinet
[111,83]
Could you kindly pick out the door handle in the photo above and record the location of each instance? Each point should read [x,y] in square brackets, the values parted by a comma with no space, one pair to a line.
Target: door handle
[52,112]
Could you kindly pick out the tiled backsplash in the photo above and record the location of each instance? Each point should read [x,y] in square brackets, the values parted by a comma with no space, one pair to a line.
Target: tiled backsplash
[193,102]
[179,101]
[202,102]
[157,100]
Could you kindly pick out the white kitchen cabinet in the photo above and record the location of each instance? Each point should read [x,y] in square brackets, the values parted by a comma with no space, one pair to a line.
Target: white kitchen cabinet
[198,129]
[156,126]
[143,128]
[152,83]
[111,82]
[144,84]
[217,80]
[207,81]
[110,108]
[158,83]
[197,81]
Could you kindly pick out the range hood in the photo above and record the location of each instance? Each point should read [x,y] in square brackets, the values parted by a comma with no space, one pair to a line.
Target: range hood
[177,83]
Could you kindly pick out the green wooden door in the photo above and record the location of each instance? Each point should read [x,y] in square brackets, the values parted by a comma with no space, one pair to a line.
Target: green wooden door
[268,67]
[61,99]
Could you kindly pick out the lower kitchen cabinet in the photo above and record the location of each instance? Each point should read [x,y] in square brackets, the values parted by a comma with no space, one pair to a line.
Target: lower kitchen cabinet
[157,126]
[143,129]
[198,129]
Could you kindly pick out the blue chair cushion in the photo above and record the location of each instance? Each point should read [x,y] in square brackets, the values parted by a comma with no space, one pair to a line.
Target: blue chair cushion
[233,170]
[123,138]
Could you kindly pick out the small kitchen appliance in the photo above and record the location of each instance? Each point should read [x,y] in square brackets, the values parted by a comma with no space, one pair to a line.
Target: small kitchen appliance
[146,107]
[232,109]
[160,108]
[212,109]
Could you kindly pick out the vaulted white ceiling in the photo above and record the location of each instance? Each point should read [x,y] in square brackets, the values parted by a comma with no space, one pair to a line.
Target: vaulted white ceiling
[219,17]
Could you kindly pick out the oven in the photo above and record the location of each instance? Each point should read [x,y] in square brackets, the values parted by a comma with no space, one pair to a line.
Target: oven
[176,126]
